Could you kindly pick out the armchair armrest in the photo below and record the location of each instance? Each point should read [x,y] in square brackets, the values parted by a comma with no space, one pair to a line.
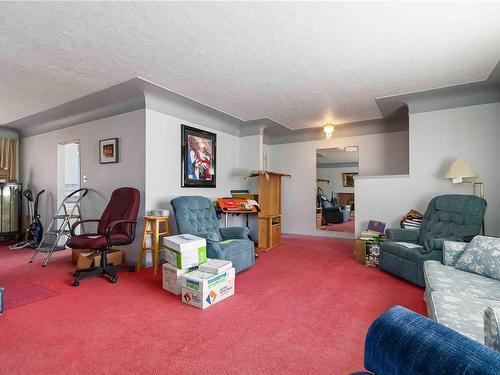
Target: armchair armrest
[401,341]
[234,233]
[113,224]
[405,235]
[80,222]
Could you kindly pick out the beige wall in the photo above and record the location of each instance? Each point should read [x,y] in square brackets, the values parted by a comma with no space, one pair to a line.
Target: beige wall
[379,154]
[436,139]
[39,164]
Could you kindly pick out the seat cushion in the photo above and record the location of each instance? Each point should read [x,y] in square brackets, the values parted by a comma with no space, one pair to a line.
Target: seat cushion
[94,240]
[441,278]
[461,313]
[402,251]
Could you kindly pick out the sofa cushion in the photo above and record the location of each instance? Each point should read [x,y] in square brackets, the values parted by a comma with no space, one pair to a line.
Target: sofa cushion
[482,256]
[452,251]
[441,278]
[492,328]
[461,313]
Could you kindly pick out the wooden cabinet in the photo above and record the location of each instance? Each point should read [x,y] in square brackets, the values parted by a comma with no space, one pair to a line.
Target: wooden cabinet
[346,199]
[270,209]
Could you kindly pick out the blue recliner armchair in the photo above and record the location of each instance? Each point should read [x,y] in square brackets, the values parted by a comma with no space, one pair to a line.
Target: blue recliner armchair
[401,341]
[196,215]
[448,217]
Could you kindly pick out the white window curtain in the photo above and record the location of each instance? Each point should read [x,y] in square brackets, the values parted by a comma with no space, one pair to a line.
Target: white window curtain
[8,157]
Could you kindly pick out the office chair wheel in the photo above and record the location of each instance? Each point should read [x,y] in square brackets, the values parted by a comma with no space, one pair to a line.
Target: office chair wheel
[75,274]
[113,279]
[76,283]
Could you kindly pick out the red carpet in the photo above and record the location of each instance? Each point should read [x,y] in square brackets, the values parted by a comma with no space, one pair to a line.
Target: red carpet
[348,226]
[304,308]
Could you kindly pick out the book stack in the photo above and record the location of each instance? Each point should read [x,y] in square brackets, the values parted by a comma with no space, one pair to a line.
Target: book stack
[412,220]
[371,235]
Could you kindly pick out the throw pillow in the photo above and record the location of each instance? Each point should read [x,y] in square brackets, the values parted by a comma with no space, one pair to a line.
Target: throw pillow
[452,251]
[482,256]
[492,328]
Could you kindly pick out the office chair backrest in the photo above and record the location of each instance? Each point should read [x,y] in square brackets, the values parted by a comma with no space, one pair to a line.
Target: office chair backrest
[123,205]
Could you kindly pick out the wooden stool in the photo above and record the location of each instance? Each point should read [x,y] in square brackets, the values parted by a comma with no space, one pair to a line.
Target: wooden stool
[152,227]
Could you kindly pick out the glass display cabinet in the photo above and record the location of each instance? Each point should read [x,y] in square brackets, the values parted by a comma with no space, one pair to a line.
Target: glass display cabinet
[10,210]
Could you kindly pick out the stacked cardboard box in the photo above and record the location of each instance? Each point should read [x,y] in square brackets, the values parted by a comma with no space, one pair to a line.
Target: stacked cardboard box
[185,251]
[183,254]
[204,289]
[201,281]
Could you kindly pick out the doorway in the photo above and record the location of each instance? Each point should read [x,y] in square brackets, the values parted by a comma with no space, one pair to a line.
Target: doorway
[68,169]
[335,201]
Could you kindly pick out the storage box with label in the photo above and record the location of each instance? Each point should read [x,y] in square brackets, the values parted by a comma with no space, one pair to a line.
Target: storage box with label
[172,278]
[185,250]
[215,266]
[202,289]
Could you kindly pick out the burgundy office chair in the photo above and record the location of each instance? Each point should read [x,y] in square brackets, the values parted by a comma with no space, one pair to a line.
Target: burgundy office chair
[116,227]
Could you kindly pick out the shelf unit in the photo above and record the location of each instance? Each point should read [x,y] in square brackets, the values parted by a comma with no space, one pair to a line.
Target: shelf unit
[270,209]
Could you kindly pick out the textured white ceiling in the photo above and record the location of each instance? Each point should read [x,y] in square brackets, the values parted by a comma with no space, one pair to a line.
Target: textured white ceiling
[296,63]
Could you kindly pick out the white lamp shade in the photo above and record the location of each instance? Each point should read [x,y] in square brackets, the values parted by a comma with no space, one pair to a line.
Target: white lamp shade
[460,169]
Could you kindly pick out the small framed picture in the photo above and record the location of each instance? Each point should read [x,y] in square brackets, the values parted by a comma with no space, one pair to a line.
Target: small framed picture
[348,179]
[108,151]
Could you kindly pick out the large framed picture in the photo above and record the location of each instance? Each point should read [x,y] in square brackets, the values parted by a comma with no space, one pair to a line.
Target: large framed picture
[108,151]
[348,179]
[198,157]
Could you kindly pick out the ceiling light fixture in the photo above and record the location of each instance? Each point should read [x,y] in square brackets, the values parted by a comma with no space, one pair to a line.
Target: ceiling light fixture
[328,129]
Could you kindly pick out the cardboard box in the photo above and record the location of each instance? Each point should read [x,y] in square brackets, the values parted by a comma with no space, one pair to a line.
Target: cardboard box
[172,277]
[93,259]
[360,251]
[75,254]
[185,250]
[215,266]
[202,289]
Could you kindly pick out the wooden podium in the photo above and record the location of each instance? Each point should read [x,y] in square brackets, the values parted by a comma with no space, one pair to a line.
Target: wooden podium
[270,208]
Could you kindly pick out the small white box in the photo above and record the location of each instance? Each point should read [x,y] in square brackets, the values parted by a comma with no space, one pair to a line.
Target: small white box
[172,278]
[202,289]
[185,250]
[215,266]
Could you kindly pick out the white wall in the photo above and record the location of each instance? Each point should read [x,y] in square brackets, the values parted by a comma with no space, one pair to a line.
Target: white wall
[163,164]
[334,174]
[379,154]
[39,164]
[436,139]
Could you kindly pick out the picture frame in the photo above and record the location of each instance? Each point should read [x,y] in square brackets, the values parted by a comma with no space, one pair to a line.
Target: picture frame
[109,151]
[348,179]
[198,157]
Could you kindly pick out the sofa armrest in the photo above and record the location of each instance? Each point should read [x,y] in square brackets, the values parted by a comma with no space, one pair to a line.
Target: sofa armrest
[405,235]
[234,233]
[401,341]
[492,328]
